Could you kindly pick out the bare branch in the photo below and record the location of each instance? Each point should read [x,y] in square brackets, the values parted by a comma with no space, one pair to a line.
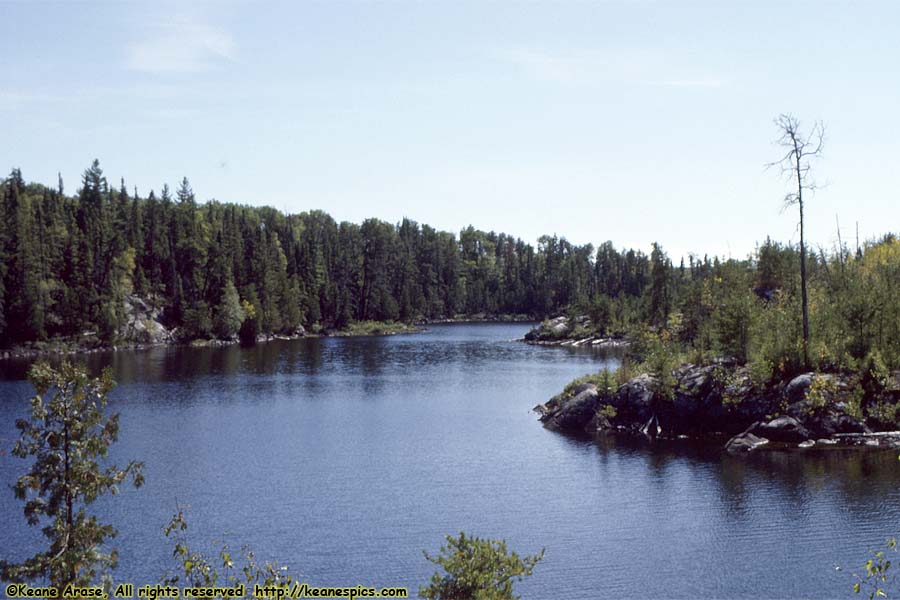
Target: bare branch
[788,201]
[780,162]
[796,164]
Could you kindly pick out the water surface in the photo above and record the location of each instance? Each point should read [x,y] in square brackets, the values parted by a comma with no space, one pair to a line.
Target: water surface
[345,458]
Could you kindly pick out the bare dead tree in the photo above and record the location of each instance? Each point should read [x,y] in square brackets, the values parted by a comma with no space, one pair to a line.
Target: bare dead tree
[795,166]
[841,249]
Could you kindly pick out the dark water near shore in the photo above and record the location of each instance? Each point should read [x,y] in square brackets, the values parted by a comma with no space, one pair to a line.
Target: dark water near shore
[345,458]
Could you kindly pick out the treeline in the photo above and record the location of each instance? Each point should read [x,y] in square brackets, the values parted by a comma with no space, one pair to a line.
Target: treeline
[68,263]
[750,310]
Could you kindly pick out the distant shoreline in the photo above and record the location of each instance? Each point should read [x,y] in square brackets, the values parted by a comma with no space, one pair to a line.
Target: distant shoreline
[359,329]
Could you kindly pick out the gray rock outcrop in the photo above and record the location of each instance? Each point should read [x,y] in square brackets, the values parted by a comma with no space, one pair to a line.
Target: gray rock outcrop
[576,413]
[143,323]
[715,401]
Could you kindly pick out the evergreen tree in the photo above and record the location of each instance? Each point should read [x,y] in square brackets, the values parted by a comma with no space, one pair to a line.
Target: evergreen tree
[66,437]
[69,264]
[477,568]
[660,294]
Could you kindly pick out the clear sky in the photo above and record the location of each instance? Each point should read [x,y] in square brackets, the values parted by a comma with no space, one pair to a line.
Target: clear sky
[633,121]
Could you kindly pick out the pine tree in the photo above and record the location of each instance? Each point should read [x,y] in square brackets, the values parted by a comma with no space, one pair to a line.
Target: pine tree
[89,275]
[660,298]
[473,567]
[136,242]
[66,437]
[5,257]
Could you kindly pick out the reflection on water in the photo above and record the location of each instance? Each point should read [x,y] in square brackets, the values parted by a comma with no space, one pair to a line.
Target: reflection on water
[345,458]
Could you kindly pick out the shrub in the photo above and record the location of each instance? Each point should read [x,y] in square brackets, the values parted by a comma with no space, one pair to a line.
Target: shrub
[733,320]
[854,402]
[626,371]
[604,380]
[723,380]
[600,313]
[761,371]
[878,580]
[477,569]
[661,362]
[883,413]
[776,344]
[195,569]
[874,377]
[820,393]
[608,410]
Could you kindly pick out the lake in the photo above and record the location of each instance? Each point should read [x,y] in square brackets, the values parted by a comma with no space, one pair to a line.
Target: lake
[345,458]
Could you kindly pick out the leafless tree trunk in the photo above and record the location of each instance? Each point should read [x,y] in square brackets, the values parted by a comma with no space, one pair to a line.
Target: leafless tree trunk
[795,166]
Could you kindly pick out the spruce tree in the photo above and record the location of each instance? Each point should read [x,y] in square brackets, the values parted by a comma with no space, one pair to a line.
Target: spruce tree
[66,438]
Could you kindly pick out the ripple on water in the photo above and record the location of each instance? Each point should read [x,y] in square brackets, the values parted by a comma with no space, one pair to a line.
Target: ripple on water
[345,458]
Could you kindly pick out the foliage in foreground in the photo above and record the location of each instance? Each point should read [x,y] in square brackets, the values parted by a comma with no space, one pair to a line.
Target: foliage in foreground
[878,581]
[477,569]
[67,437]
[194,569]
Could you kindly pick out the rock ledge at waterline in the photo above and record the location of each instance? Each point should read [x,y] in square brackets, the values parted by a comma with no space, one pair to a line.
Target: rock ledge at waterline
[575,332]
[718,402]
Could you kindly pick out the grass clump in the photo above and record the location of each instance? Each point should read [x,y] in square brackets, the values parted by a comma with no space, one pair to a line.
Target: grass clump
[366,328]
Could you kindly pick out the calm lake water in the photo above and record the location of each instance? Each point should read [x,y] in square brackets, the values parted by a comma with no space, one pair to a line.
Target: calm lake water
[345,458]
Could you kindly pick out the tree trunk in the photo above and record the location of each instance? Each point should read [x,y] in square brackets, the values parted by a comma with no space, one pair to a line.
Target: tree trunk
[803,299]
[69,501]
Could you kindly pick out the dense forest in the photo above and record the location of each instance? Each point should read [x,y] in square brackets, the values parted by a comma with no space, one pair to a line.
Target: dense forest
[69,261]
[222,270]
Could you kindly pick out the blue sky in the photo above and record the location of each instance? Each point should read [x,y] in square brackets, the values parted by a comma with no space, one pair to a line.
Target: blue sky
[633,121]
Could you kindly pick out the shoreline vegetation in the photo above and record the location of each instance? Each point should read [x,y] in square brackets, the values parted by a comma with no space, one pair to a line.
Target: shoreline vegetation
[107,267]
[160,336]
[576,332]
[659,393]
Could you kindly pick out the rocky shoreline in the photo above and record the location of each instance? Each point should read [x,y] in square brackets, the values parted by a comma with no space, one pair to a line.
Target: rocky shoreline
[590,341]
[479,318]
[575,332]
[144,330]
[719,403]
[66,348]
